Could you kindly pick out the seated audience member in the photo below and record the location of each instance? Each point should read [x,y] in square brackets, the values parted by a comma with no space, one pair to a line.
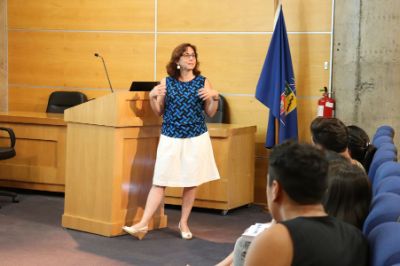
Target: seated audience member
[348,196]
[331,134]
[360,147]
[303,234]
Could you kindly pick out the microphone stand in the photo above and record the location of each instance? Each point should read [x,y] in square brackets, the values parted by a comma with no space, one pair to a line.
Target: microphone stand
[105,68]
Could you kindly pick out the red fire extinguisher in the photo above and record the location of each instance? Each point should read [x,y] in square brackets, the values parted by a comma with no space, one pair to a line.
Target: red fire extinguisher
[326,105]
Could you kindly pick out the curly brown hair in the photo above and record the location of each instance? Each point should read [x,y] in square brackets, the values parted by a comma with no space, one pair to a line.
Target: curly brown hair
[176,54]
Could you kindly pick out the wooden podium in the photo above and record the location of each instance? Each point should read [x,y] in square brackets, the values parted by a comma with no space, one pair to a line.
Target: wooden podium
[111,151]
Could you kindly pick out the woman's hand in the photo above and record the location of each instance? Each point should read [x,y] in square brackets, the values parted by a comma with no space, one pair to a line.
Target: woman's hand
[159,90]
[208,93]
[157,97]
[210,98]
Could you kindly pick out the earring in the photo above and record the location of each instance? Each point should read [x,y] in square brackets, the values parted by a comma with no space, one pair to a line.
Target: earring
[178,66]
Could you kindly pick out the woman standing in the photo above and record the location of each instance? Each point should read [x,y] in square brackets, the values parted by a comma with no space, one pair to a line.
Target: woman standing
[184,154]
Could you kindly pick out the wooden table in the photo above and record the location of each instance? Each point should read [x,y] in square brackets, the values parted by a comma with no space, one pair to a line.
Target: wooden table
[40,147]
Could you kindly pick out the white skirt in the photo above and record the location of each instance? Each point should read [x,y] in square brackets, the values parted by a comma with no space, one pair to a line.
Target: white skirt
[184,162]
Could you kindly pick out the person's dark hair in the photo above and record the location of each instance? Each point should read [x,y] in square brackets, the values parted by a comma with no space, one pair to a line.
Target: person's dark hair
[360,147]
[301,169]
[330,133]
[176,54]
[348,196]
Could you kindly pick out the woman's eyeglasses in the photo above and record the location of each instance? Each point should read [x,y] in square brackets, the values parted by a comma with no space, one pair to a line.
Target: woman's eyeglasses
[187,56]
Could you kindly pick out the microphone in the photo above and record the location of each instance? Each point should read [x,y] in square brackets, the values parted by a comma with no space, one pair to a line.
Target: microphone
[105,68]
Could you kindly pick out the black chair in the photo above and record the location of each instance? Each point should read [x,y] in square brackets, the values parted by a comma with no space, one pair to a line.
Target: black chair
[220,115]
[7,153]
[61,100]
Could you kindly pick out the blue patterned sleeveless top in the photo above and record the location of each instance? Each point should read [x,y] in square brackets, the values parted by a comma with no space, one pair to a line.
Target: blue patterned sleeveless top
[183,113]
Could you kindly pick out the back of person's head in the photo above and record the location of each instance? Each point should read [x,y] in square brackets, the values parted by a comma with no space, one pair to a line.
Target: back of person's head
[301,169]
[360,147]
[348,196]
[329,133]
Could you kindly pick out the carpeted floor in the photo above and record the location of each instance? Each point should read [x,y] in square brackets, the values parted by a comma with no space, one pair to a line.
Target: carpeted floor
[31,234]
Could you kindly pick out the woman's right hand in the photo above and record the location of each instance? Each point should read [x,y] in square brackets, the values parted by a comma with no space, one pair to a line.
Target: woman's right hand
[159,90]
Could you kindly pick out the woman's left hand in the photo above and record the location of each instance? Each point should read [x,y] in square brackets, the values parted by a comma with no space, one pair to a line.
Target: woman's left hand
[207,93]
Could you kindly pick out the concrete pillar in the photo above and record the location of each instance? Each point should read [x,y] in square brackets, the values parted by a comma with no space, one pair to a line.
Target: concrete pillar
[3,56]
[366,63]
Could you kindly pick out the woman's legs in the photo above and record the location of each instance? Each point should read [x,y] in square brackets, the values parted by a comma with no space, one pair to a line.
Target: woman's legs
[189,193]
[154,199]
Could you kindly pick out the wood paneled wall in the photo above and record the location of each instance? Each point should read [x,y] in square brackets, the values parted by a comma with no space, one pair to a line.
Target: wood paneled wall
[3,56]
[51,46]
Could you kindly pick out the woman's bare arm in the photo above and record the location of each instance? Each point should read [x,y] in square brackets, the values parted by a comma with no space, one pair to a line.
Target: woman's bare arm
[157,97]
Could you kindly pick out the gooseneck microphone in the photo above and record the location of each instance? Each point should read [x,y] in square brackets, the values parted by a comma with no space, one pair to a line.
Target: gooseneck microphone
[105,68]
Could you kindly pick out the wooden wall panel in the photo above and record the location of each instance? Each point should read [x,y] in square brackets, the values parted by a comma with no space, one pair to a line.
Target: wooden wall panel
[35,99]
[211,15]
[82,14]
[244,110]
[67,58]
[309,53]
[308,15]
[260,180]
[306,112]
[3,56]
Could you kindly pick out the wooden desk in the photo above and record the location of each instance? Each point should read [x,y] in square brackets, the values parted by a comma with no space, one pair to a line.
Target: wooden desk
[234,154]
[40,146]
[41,150]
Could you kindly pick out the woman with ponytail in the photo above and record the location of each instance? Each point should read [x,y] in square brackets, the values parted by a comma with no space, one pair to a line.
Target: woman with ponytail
[360,147]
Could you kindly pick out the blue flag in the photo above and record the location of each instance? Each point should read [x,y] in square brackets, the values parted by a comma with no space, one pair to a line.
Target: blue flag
[276,87]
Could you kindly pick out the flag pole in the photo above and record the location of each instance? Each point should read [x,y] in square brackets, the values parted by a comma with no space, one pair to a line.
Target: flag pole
[276,3]
[276,6]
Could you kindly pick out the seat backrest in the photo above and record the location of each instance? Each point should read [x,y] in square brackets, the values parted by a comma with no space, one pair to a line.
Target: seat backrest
[384,242]
[381,140]
[388,184]
[220,115]
[61,100]
[385,207]
[380,157]
[388,146]
[385,169]
[7,152]
[384,130]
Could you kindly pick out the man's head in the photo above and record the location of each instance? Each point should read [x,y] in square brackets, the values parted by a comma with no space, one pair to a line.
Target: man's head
[298,173]
[330,134]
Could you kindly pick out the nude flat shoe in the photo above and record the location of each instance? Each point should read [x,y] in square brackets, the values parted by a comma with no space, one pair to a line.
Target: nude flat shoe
[185,235]
[139,233]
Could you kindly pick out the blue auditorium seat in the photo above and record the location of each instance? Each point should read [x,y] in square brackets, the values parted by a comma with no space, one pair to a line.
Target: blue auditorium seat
[387,184]
[384,242]
[382,139]
[380,157]
[388,146]
[385,207]
[384,130]
[385,169]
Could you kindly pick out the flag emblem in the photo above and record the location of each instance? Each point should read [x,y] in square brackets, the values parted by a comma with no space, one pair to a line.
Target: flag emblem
[288,102]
